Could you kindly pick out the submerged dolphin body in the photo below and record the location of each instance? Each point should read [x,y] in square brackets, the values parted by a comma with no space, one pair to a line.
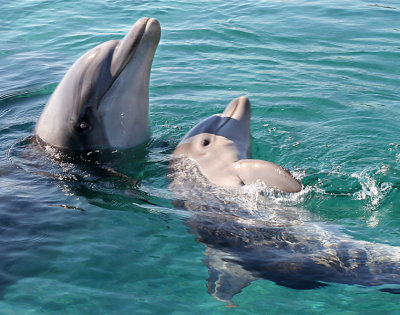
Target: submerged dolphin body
[250,235]
[102,101]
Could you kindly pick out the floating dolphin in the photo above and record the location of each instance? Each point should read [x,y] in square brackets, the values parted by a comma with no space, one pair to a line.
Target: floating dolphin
[220,145]
[103,99]
[249,234]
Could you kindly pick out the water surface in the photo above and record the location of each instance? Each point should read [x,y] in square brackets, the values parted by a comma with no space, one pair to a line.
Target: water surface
[324,82]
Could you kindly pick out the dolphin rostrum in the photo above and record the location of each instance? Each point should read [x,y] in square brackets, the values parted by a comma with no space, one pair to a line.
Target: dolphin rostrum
[102,101]
[251,231]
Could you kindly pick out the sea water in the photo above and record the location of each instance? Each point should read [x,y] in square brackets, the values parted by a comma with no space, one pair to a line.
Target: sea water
[323,78]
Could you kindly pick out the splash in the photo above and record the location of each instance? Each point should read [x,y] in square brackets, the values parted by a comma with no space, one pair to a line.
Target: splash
[372,189]
[185,172]
[249,202]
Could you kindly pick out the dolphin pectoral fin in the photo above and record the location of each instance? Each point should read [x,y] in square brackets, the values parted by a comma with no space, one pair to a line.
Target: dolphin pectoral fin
[227,278]
[249,171]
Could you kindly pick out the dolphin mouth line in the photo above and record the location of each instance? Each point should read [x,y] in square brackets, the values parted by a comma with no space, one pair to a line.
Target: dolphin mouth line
[134,49]
[128,59]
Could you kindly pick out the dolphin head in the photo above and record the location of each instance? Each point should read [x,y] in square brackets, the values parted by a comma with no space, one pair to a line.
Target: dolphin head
[220,145]
[219,141]
[231,129]
[103,99]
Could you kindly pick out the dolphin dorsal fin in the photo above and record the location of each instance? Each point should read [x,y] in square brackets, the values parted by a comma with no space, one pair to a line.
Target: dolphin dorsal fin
[249,171]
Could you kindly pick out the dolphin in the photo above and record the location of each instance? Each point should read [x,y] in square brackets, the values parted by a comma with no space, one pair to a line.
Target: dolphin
[220,145]
[102,101]
[248,227]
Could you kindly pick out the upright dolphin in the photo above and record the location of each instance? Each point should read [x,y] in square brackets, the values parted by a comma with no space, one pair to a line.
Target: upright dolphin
[248,233]
[220,145]
[103,99]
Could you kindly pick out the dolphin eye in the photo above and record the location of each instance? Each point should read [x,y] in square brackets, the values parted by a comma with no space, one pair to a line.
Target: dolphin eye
[205,142]
[82,126]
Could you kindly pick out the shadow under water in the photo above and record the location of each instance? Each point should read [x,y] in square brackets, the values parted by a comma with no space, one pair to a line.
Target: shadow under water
[35,225]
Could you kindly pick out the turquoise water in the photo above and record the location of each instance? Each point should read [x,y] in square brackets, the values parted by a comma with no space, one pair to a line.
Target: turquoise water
[324,82]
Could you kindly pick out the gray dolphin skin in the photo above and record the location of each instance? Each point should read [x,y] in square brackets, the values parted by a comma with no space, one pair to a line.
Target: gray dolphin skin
[220,145]
[103,99]
[250,233]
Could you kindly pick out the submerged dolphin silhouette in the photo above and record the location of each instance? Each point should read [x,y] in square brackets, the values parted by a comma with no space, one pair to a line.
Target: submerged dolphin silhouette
[103,99]
[248,234]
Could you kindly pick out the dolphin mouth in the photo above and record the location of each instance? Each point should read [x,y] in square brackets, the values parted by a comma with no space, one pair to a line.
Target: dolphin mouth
[238,108]
[145,29]
[122,108]
[125,51]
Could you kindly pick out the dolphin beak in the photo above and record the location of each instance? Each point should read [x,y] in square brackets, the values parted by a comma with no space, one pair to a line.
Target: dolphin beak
[153,27]
[123,107]
[144,28]
[238,109]
[238,112]
[237,124]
